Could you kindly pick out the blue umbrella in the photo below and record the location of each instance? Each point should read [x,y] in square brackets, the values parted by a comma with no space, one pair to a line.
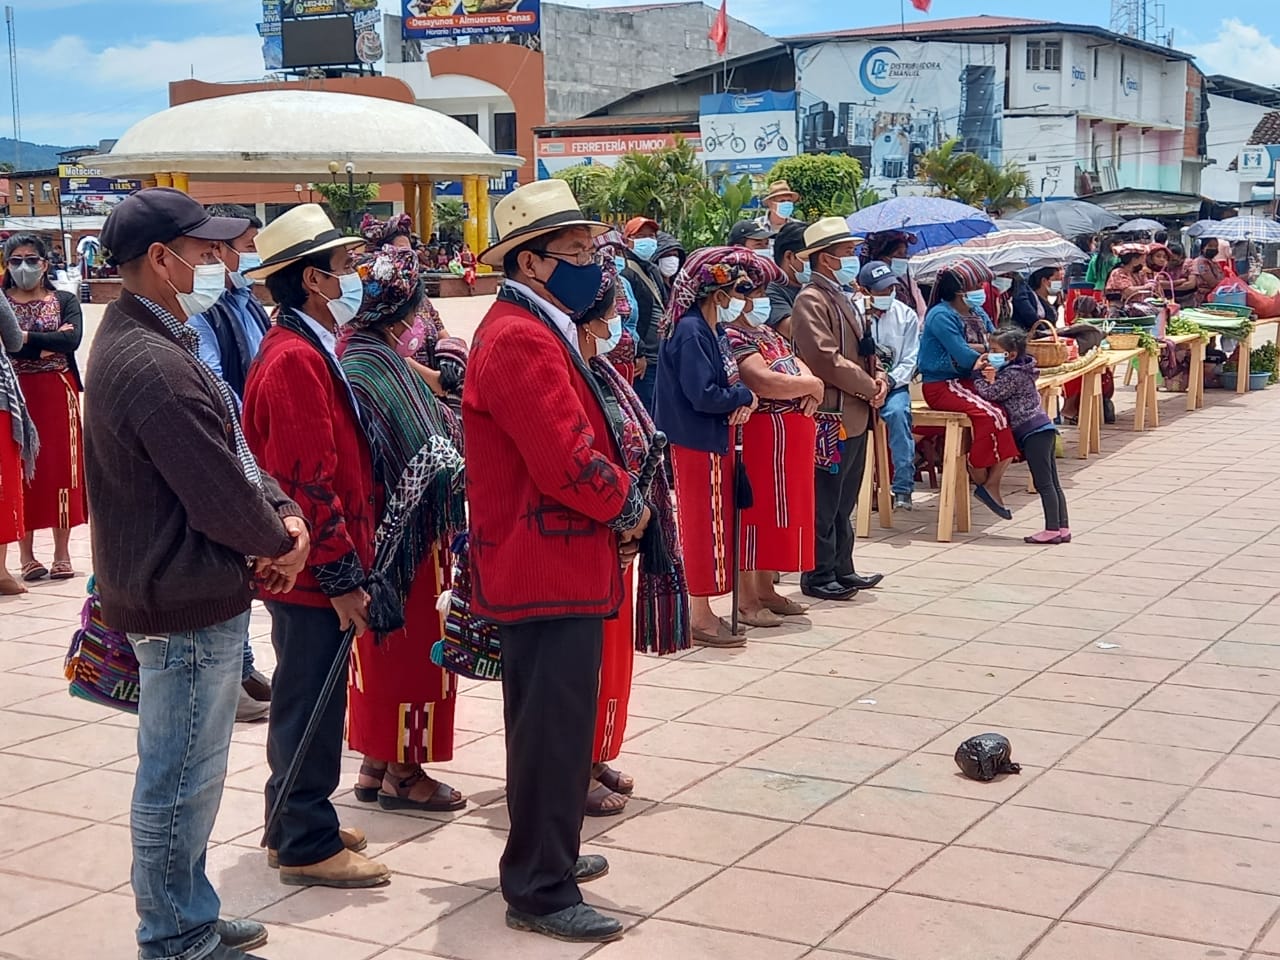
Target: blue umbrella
[1257,229]
[934,222]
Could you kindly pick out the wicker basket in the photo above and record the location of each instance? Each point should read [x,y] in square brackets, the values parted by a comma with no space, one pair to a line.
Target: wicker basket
[1123,341]
[1047,353]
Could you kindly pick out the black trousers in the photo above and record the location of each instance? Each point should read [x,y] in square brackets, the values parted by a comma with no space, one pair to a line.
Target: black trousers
[1038,451]
[836,497]
[550,682]
[306,641]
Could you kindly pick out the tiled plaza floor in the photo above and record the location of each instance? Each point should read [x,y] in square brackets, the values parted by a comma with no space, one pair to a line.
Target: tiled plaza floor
[798,798]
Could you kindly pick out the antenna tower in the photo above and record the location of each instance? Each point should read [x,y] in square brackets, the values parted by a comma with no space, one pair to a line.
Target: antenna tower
[1142,20]
[13,87]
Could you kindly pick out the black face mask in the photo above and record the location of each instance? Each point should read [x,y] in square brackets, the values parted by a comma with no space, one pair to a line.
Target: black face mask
[1209,253]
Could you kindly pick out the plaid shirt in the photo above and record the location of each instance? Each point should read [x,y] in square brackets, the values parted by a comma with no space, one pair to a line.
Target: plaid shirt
[190,340]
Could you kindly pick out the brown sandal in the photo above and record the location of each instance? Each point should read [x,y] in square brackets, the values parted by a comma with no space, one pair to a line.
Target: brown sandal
[34,570]
[598,796]
[61,570]
[613,779]
[369,794]
[441,800]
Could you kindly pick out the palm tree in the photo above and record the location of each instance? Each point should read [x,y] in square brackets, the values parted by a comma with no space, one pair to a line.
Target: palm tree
[959,175]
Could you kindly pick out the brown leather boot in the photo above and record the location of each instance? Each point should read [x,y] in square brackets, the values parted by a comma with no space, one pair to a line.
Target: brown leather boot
[353,839]
[344,869]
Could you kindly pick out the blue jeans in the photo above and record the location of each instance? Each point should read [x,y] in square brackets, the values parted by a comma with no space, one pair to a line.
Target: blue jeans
[246,666]
[896,414]
[187,706]
[644,386]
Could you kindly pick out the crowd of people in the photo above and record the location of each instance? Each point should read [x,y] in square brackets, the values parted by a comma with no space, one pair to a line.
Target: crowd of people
[316,457]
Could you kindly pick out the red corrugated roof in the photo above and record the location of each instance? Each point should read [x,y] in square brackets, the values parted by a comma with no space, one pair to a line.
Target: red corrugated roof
[983,22]
[623,121]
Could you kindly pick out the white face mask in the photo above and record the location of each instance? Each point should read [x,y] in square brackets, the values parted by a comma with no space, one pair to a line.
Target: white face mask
[247,262]
[347,305]
[883,301]
[668,266]
[1055,286]
[1002,284]
[899,266]
[732,312]
[758,315]
[209,280]
[615,335]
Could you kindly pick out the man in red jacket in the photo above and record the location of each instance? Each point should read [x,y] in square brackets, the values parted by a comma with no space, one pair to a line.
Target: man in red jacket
[552,513]
[301,420]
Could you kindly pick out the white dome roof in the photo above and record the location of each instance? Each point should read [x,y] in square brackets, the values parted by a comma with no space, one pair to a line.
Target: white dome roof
[289,133]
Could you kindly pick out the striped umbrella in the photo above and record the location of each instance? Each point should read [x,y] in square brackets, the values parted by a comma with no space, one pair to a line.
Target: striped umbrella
[1257,229]
[1022,247]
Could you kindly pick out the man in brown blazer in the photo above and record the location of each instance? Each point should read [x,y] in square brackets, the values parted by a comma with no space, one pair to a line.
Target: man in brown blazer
[833,338]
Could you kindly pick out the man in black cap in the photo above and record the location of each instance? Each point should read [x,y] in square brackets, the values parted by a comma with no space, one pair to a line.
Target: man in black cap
[750,234]
[181,518]
[787,244]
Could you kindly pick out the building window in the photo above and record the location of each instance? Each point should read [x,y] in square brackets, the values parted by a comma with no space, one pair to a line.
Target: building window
[46,192]
[471,120]
[1044,55]
[17,192]
[504,133]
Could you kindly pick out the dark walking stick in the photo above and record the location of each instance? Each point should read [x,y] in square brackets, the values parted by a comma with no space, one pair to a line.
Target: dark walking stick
[385,612]
[742,498]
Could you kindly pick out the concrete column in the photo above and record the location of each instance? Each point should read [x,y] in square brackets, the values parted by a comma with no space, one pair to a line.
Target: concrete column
[181,182]
[410,205]
[426,208]
[482,219]
[470,196]
[164,180]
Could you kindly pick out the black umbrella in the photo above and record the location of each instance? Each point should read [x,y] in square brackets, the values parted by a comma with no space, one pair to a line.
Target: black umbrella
[1068,217]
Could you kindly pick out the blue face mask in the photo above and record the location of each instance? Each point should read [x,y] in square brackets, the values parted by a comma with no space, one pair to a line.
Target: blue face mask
[732,312]
[645,247]
[805,273]
[346,305]
[760,310]
[975,298]
[247,262]
[574,286]
[786,208]
[899,266]
[620,263]
[848,270]
[997,360]
[615,335]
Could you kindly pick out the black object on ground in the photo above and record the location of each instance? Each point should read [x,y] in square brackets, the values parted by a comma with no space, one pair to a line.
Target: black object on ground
[985,757]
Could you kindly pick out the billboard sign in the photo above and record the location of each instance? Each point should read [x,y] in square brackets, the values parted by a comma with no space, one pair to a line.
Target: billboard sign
[325,8]
[889,103]
[1257,163]
[747,133]
[444,19]
[85,192]
[560,153]
[269,31]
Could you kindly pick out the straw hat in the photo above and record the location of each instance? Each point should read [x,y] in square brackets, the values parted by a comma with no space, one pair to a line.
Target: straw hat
[299,232]
[825,233]
[543,206]
[780,190]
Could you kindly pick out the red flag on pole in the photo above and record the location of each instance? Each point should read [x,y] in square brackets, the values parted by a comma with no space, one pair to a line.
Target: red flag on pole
[921,5]
[719,32]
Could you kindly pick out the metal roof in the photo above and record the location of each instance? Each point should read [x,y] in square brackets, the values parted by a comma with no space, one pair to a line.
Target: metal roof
[1244,90]
[637,121]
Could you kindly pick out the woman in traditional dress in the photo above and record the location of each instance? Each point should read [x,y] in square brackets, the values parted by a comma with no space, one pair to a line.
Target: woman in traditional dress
[953,350]
[46,367]
[699,395]
[401,705]
[1128,280]
[778,443]
[659,623]
[18,446]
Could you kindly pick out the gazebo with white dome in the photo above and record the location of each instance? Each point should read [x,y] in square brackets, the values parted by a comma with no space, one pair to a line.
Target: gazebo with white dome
[290,134]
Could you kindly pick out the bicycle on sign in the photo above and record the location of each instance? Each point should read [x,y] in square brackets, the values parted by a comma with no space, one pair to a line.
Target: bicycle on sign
[715,140]
[769,133]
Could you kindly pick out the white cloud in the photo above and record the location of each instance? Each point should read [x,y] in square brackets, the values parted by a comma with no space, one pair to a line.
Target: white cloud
[1239,50]
[148,66]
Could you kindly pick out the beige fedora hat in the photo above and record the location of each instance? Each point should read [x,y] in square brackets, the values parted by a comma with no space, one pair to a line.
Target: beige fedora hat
[294,234]
[825,233]
[543,206]
[780,190]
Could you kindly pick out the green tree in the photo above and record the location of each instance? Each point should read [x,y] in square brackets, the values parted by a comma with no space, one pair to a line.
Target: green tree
[712,213]
[348,205]
[959,175]
[590,184]
[451,215]
[829,184]
[664,185]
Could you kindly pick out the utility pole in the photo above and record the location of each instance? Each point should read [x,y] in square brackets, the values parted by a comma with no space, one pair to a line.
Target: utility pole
[13,87]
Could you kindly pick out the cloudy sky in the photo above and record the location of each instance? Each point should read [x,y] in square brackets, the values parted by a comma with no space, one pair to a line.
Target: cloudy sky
[89,68]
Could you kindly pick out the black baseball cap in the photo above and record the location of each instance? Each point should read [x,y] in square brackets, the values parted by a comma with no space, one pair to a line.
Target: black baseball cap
[877,276]
[790,239]
[745,230]
[161,215]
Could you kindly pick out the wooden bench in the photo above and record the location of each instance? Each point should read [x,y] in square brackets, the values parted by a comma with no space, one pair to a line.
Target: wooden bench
[1246,349]
[953,488]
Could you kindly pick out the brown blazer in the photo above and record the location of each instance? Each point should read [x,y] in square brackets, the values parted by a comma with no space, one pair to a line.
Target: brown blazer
[826,329]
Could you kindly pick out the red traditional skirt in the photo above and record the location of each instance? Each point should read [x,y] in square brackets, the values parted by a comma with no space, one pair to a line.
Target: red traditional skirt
[704,512]
[55,496]
[12,528]
[992,439]
[777,529]
[401,704]
[615,677]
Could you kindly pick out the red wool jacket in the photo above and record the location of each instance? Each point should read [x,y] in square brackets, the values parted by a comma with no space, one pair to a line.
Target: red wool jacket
[299,422]
[544,484]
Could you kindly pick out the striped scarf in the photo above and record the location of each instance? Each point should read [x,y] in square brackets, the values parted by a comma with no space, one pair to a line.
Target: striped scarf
[663,623]
[190,341]
[401,417]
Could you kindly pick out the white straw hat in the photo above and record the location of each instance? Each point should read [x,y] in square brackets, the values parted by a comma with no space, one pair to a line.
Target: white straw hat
[544,206]
[303,230]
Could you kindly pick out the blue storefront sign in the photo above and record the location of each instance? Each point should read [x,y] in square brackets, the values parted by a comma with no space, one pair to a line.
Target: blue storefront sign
[747,133]
[498,186]
[445,19]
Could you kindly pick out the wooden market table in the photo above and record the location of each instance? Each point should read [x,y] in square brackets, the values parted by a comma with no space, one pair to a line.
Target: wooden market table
[1246,350]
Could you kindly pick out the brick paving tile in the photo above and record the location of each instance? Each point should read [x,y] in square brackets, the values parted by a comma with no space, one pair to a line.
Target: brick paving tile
[798,798]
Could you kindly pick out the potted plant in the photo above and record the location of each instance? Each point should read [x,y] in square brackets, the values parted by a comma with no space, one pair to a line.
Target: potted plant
[1262,366]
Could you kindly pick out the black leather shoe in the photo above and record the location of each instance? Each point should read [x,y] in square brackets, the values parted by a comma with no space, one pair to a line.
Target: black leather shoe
[241,934]
[861,583]
[832,590]
[577,924]
[590,867]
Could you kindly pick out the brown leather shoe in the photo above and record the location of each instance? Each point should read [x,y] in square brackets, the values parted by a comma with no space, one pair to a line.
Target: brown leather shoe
[353,839]
[344,869]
